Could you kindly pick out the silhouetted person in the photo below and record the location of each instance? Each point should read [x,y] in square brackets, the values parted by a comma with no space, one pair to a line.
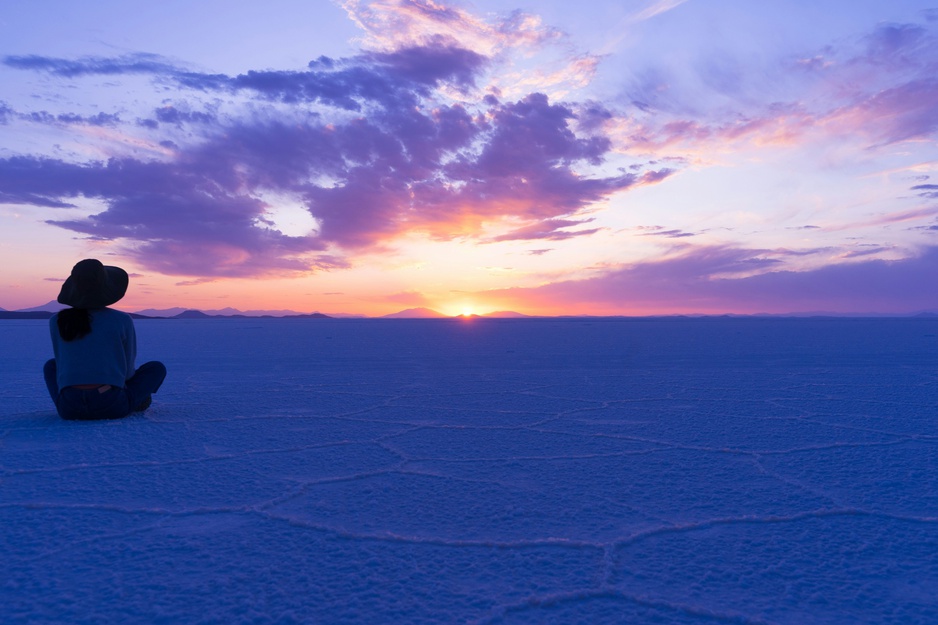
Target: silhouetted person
[92,375]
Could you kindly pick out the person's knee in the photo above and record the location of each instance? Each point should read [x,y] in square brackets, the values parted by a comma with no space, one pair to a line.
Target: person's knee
[154,371]
[158,368]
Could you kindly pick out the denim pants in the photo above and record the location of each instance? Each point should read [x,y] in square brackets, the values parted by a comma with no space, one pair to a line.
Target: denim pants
[114,403]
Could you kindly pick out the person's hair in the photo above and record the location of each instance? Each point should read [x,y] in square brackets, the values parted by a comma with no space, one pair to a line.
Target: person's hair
[73,323]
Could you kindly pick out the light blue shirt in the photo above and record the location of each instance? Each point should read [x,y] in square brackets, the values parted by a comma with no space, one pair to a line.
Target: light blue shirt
[103,356]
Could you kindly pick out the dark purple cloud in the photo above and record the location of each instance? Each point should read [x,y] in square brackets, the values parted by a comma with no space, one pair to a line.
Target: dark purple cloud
[170,114]
[173,217]
[433,64]
[592,116]
[695,282]
[138,63]
[389,78]
[929,191]
[44,117]
[395,161]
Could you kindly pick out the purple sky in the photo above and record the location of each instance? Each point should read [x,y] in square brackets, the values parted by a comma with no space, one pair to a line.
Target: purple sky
[626,157]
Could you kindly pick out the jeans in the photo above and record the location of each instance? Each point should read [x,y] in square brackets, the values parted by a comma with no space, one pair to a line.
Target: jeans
[114,403]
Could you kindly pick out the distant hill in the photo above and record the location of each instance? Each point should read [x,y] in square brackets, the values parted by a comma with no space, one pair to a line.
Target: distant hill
[52,306]
[314,315]
[39,313]
[191,314]
[223,312]
[198,314]
[506,314]
[162,312]
[415,313]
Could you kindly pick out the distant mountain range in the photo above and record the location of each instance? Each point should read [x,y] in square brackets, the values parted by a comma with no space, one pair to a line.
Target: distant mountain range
[415,313]
[429,313]
[48,309]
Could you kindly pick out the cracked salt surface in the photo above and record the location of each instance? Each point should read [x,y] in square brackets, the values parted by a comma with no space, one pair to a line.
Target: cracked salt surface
[493,471]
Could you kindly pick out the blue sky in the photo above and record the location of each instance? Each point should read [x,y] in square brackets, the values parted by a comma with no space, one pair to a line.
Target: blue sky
[614,158]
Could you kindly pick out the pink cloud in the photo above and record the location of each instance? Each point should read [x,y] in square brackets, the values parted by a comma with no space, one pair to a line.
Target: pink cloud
[392,24]
[690,283]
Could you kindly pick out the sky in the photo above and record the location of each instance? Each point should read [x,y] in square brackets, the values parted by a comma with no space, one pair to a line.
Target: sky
[612,157]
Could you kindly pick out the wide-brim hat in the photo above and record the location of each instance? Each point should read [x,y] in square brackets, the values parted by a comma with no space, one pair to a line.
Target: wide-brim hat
[93,285]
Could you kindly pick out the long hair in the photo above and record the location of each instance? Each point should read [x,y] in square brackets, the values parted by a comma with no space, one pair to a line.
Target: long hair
[73,323]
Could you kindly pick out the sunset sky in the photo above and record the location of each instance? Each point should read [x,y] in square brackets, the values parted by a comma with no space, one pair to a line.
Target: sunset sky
[547,157]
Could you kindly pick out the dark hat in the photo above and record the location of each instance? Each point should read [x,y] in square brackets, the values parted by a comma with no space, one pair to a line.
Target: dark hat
[93,285]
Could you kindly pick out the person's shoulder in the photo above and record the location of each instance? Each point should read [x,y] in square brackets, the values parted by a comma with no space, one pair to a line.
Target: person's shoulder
[116,315]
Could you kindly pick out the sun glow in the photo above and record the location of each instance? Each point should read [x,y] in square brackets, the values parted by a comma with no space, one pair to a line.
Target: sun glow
[464,310]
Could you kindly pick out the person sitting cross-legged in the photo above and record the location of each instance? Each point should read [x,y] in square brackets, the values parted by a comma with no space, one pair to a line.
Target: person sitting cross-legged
[92,375]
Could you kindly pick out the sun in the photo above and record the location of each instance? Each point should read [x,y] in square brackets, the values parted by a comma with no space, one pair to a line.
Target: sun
[465,310]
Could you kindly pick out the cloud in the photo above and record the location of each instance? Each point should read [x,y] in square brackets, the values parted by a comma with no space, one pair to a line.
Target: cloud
[887,219]
[692,282]
[390,24]
[386,154]
[547,230]
[655,8]
[896,45]
[138,63]
[901,113]
[880,89]
[929,191]
[170,114]
[527,55]
[660,231]
[6,113]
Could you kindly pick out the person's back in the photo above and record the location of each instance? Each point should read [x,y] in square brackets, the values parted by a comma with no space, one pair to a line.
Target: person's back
[103,356]
[92,375]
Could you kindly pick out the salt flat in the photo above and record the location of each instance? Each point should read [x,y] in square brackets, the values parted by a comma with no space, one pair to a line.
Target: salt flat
[483,471]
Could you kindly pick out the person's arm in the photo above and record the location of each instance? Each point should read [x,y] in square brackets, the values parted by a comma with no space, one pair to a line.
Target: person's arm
[54,335]
[130,347]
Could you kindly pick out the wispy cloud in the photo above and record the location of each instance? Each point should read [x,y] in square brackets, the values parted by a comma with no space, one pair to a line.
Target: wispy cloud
[661,231]
[878,90]
[655,8]
[549,229]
